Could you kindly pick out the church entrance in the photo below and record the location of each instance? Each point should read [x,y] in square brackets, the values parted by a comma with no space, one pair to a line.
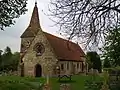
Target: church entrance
[38,70]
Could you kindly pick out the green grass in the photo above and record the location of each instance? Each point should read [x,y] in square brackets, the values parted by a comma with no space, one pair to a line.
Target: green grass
[77,82]
[19,83]
[30,83]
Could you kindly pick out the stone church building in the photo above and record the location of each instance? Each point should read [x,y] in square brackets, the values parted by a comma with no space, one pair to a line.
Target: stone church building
[43,54]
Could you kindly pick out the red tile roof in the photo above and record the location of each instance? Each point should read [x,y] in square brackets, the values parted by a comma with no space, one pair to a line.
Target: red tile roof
[64,49]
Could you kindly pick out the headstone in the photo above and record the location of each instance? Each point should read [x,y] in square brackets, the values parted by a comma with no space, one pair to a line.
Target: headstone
[93,72]
[65,86]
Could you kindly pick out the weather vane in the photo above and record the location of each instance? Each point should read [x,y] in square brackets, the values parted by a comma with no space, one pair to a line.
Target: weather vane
[36,2]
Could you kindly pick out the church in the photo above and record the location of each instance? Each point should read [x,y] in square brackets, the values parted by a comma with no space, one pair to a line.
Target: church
[42,54]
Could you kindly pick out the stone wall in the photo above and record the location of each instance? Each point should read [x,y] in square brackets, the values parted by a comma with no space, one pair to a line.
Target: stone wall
[25,42]
[47,60]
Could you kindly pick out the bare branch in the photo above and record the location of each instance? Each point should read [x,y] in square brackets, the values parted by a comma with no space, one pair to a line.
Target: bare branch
[90,20]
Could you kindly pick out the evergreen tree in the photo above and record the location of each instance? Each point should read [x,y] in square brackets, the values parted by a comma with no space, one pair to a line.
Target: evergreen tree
[14,61]
[95,61]
[6,58]
[7,53]
[111,49]
[9,61]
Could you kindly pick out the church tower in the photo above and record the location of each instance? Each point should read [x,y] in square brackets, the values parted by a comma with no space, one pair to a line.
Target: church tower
[36,53]
[31,31]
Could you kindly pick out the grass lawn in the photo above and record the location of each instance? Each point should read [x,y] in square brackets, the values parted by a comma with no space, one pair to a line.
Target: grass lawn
[20,83]
[77,82]
[28,83]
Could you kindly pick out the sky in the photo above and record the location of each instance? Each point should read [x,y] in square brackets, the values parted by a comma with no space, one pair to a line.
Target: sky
[11,35]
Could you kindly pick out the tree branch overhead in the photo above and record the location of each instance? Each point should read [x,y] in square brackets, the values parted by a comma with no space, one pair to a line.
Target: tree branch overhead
[87,19]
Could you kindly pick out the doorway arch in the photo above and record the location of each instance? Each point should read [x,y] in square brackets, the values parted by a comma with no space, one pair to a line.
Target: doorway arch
[38,70]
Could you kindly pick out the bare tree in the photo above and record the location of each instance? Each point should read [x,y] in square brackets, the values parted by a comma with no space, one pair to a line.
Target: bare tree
[90,20]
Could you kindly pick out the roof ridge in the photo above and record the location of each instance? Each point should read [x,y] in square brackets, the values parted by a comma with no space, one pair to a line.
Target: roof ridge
[60,37]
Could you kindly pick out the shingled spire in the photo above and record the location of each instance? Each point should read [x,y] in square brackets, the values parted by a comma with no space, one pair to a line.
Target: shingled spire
[34,25]
[35,17]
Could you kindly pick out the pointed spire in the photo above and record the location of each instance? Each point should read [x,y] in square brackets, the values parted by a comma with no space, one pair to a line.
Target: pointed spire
[34,25]
[35,17]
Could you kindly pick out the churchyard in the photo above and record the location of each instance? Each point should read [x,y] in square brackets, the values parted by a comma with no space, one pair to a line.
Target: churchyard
[29,83]
[89,81]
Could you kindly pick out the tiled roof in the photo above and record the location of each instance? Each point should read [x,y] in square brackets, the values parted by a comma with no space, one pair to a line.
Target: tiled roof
[64,49]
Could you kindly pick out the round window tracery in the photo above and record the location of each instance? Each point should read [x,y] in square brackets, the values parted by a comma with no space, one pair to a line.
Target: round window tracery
[39,48]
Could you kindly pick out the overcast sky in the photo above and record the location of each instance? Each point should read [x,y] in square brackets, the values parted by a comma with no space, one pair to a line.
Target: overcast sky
[11,36]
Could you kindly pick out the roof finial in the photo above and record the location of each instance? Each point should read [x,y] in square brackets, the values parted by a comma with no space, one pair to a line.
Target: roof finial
[35,2]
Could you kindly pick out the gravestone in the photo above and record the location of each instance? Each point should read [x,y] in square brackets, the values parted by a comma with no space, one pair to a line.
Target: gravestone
[93,72]
[65,86]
